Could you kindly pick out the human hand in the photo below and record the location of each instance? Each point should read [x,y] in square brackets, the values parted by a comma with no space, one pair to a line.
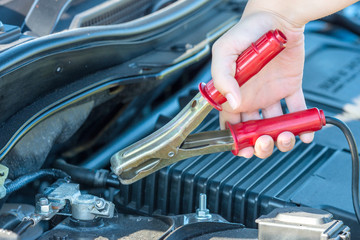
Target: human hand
[280,78]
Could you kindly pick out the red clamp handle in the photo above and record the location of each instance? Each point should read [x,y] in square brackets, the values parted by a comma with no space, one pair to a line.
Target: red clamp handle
[245,134]
[249,63]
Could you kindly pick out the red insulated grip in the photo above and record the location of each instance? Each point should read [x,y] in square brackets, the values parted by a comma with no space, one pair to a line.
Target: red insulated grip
[249,63]
[245,134]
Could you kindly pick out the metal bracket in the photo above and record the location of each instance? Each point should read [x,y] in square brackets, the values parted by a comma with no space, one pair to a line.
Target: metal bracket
[4,171]
[83,206]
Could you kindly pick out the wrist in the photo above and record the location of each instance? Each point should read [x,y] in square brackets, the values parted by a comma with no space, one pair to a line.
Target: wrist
[297,12]
[286,15]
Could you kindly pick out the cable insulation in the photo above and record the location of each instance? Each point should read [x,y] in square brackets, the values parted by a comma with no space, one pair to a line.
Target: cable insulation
[23,226]
[355,161]
[22,181]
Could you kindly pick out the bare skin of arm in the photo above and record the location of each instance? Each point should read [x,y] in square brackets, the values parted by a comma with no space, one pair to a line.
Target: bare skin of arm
[280,79]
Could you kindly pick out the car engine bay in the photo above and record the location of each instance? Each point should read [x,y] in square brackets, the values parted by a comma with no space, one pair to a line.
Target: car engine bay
[82,79]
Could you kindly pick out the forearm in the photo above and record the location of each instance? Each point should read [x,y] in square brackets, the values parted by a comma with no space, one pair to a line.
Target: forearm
[298,12]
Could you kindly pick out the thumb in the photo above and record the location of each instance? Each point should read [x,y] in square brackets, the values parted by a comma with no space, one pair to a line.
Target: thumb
[225,52]
[223,68]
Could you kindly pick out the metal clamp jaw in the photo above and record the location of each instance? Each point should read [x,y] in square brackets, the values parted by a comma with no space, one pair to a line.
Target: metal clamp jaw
[169,144]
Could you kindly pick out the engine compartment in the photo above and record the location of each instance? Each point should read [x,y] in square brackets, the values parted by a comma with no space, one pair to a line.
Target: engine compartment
[97,76]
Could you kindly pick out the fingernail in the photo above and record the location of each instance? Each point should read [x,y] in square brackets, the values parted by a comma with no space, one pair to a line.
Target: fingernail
[265,146]
[231,100]
[307,137]
[286,143]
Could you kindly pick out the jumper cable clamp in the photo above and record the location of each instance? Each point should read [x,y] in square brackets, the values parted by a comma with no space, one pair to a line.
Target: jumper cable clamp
[173,142]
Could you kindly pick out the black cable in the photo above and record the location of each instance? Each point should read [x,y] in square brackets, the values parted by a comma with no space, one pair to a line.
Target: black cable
[28,178]
[90,177]
[355,162]
[23,226]
[8,221]
[113,181]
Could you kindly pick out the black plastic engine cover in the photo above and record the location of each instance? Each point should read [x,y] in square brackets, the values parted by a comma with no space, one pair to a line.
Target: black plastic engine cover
[316,175]
[331,82]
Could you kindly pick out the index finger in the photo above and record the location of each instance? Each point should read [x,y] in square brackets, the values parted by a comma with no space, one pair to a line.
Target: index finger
[225,52]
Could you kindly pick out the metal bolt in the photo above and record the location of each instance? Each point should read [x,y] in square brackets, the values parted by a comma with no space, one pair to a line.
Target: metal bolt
[99,203]
[171,154]
[202,201]
[202,213]
[43,201]
[44,205]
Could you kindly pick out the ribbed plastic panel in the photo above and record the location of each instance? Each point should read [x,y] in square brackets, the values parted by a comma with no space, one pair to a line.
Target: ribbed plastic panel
[316,175]
[239,189]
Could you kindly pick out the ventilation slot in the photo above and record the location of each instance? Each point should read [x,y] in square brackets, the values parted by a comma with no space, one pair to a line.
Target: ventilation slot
[112,12]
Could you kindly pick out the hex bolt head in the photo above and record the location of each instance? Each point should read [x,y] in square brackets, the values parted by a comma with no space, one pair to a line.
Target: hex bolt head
[202,213]
[99,203]
[44,205]
[43,201]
